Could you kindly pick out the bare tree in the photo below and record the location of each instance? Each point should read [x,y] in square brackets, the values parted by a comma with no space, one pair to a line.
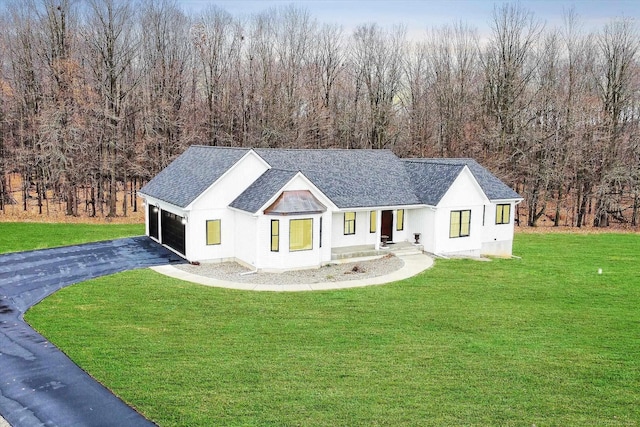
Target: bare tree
[452,65]
[615,73]
[112,45]
[166,54]
[509,67]
[377,63]
[217,38]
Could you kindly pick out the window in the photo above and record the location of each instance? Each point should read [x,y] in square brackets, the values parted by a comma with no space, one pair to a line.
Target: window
[373,221]
[349,223]
[503,214]
[300,234]
[460,223]
[275,235]
[400,220]
[320,244]
[213,232]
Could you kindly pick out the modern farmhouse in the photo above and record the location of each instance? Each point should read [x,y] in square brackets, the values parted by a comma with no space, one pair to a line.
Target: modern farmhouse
[278,209]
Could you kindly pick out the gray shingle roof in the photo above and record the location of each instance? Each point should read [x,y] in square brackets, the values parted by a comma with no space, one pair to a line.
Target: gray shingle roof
[262,189]
[350,178]
[431,181]
[192,173]
[493,187]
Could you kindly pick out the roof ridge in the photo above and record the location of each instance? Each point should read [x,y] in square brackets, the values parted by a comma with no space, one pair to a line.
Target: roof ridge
[323,149]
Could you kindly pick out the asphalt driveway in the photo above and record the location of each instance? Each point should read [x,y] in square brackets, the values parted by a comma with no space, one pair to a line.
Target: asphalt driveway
[39,385]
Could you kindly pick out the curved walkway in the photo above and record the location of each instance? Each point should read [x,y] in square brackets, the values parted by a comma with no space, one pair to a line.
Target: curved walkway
[413,264]
[39,385]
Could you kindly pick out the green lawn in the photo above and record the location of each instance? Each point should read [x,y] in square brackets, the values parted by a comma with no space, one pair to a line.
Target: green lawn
[540,341]
[22,236]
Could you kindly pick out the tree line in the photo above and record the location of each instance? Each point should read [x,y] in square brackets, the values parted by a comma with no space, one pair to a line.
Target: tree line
[97,96]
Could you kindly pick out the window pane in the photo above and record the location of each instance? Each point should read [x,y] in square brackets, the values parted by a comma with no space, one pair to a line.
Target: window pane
[465,223]
[454,230]
[213,232]
[349,223]
[373,222]
[503,214]
[300,234]
[275,235]
[400,220]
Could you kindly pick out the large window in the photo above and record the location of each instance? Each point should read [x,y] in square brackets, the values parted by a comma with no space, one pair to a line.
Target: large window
[213,232]
[503,214]
[373,221]
[275,235]
[400,220]
[460,223]
[300,234]
[349,223]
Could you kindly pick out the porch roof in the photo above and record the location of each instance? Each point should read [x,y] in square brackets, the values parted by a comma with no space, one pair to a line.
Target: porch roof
[295,202]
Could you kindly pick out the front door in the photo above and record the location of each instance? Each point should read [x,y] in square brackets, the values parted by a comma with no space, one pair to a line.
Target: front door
[387,225]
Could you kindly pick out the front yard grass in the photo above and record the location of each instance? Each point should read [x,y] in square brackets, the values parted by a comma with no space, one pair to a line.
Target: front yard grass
[544,340]
[23,236]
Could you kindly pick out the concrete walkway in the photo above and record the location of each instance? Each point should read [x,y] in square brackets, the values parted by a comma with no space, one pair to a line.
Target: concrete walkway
[413,264]
[40,385]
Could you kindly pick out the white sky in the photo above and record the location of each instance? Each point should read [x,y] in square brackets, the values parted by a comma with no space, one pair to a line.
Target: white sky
[419,15]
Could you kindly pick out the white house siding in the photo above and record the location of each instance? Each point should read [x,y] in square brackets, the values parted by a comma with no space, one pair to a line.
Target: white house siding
[422,221]
[220,195]
[406,234]
[197,248]
[245,237]
[464,194]
[497,239]
[361,236]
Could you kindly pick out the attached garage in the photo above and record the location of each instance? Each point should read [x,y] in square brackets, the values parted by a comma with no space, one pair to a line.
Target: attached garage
[173,231]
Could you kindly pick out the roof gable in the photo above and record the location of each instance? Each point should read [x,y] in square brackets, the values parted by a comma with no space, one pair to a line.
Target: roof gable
[431,179]
[189,175]
[262,190]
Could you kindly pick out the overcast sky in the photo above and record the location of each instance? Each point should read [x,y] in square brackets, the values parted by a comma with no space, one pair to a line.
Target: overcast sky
[418,15]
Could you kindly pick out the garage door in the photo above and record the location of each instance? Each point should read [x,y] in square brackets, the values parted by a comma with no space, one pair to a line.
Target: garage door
[173,231]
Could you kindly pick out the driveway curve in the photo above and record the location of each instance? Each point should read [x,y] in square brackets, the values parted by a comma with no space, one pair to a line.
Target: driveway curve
[40,385]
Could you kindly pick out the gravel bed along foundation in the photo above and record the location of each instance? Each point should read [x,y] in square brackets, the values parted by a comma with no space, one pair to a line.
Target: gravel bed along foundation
[231,272]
